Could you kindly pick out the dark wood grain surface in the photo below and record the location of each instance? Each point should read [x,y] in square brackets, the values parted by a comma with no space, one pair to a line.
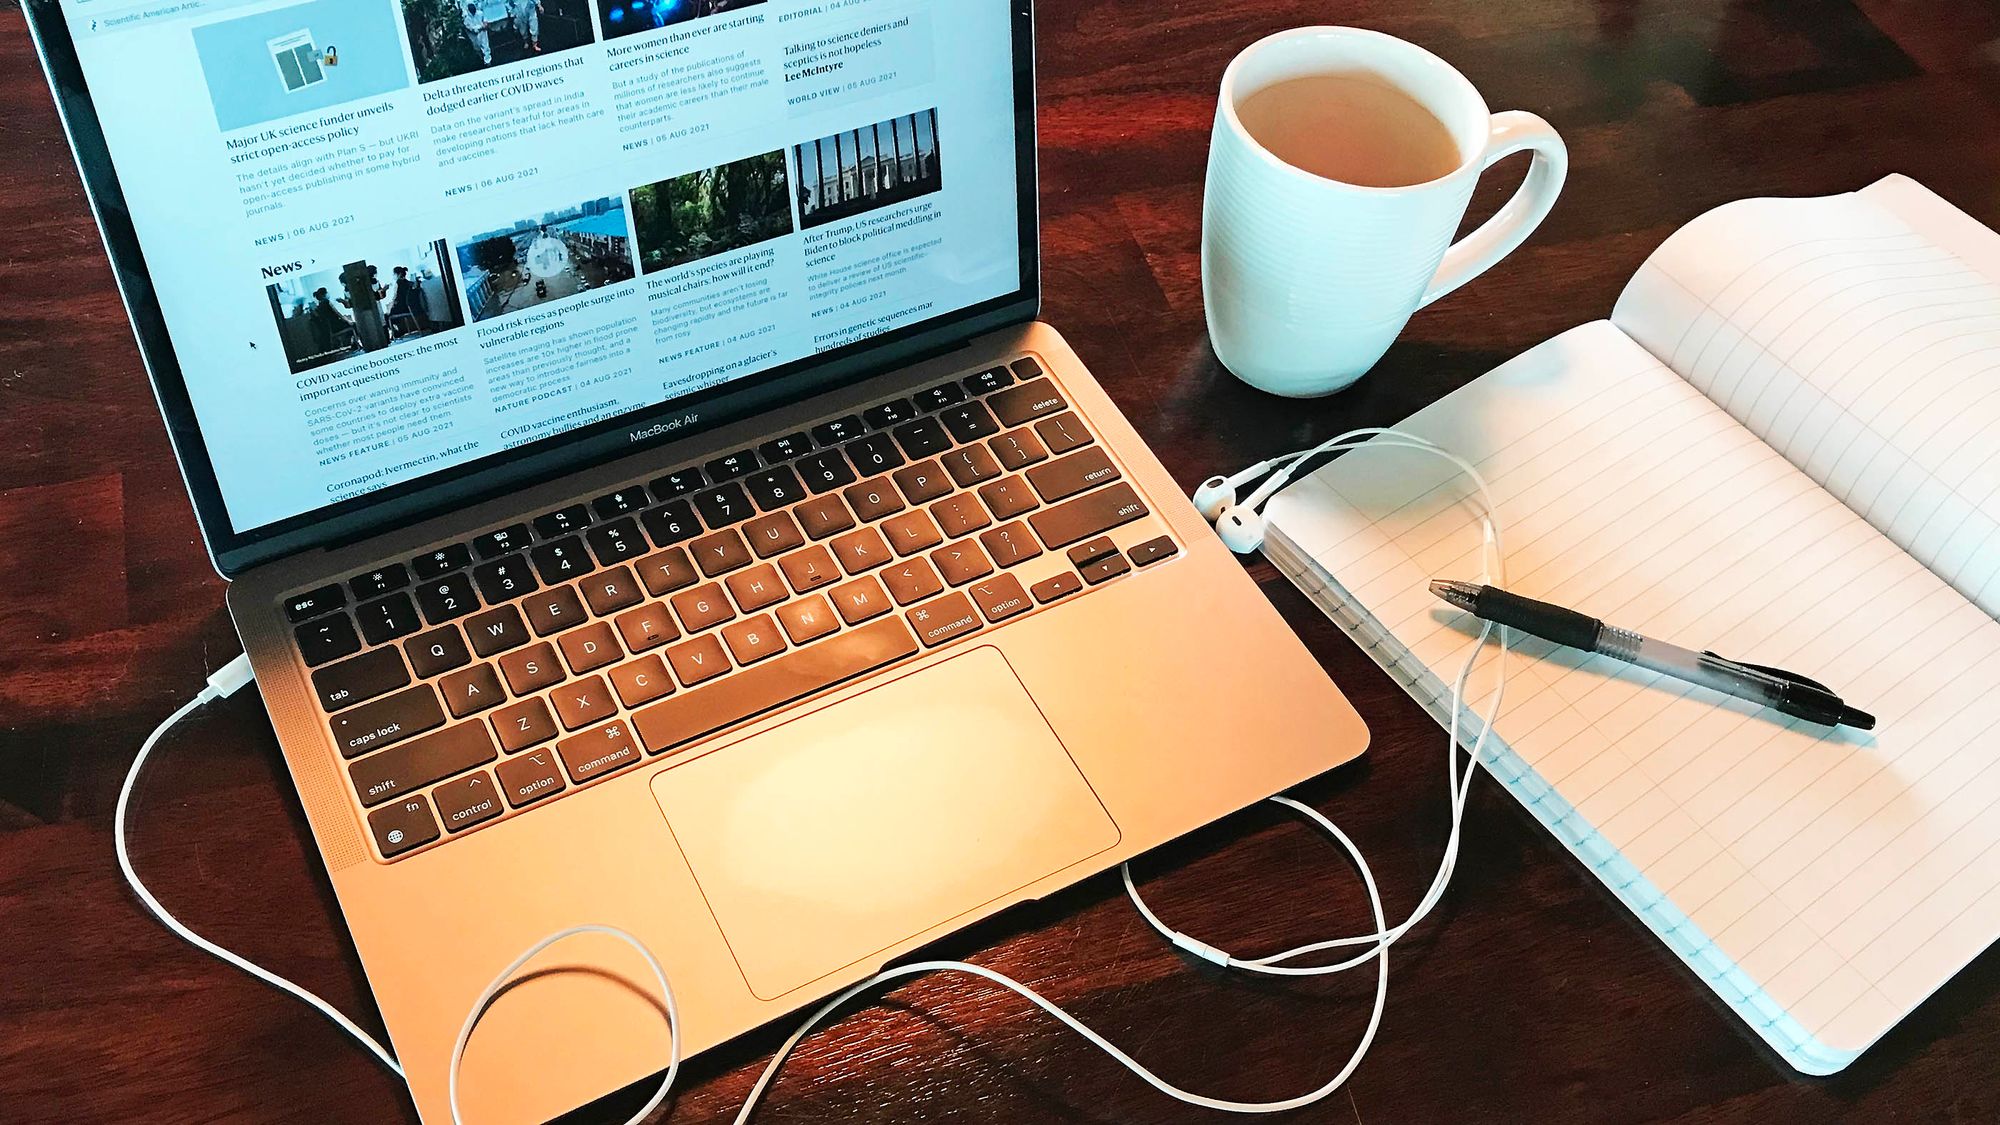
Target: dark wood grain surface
[1529,995]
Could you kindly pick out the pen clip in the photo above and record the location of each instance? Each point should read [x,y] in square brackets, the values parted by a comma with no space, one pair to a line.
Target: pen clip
[1779,673]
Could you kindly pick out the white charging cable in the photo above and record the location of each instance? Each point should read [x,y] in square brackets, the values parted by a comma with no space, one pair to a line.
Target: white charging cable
[1377,943]
[225,683]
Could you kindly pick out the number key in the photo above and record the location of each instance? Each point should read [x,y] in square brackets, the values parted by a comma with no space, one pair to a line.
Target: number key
[505,579]
[385,620]
[447,598]
[616,541]
[562,560]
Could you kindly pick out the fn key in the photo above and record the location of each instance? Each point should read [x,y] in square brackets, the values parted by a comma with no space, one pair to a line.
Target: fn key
[404,825]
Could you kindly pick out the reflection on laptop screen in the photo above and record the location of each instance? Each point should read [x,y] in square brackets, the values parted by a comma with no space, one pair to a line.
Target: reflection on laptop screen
[391,237]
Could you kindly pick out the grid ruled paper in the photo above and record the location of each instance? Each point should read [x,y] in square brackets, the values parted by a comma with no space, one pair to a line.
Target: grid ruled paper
[1823,882]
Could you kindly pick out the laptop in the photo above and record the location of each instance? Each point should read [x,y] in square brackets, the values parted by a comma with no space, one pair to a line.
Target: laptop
[649,497]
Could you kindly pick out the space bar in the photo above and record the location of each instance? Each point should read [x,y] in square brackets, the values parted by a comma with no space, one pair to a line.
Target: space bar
[773,683]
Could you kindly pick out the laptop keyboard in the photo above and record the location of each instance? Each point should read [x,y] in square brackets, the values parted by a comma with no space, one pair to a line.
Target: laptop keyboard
[489,676]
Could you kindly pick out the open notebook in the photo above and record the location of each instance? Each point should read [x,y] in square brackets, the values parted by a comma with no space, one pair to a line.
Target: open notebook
[1785,446]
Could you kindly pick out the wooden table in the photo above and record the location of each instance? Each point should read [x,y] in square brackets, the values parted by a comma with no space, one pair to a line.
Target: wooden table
[1530,994]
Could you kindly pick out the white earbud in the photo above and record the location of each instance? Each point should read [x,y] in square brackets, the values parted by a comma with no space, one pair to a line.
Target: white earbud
[1241,528]
[1240,524]
[1217,494]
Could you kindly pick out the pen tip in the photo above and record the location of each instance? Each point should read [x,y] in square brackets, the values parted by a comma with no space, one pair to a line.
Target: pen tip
[1859,720]
[1463,595]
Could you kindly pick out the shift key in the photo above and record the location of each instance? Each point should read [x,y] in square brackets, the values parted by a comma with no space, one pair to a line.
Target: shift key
[388,720]
[413,765]
[1091,514]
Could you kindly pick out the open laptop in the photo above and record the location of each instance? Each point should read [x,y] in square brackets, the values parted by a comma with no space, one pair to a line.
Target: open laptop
[649,497]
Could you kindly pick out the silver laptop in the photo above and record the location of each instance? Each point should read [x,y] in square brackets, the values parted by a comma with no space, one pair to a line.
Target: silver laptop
[649,497]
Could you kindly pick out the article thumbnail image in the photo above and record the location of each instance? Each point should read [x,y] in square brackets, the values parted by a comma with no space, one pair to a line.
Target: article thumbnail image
[451,38]
[712,211]
[874,166]
[369,304]
[298,59]
[546,258]
[630,17]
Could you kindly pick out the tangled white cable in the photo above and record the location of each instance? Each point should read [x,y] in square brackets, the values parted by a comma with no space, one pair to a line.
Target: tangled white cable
[1374,946]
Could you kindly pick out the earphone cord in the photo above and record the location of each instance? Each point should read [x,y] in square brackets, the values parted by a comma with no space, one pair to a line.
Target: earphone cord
[234,676]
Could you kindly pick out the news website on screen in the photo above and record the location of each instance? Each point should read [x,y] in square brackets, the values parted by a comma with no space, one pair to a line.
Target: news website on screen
[393,236]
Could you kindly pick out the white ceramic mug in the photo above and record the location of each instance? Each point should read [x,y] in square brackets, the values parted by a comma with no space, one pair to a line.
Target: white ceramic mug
[1308,280]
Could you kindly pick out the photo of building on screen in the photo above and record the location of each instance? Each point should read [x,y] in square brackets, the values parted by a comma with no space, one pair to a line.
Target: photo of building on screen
[862,169]
[370,304]
[630,17]
[545,258]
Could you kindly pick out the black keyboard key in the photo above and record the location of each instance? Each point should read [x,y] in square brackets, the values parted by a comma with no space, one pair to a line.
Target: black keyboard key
[673,486]
[562,560]
[440,562]
[970,422]
[1026,367]
[410,767]
[447,598]
[623,502]
[895,412]
[385,620]
[360,679]
[1027,402]
[505,541]
[617,541]
[567,521]
[1064,477]
[327,639]
[826,470]
[874,454]
[785,448]
[1153,550]
[381,581]
[505,579]
[940,396]
[402,826]
[731,466]
[496,631]
[720,507]
[1093,513]
[840,431]
[437,652]
[314,603]
[775,488]
[923,438]
[672,523]
[990,380]
[1063,433]
[1105,569]
[386,721]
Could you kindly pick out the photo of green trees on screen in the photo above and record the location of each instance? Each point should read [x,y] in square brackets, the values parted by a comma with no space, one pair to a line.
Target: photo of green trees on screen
[712,211]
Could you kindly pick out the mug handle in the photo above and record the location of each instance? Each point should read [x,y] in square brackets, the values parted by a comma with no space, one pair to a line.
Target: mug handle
[1511,132]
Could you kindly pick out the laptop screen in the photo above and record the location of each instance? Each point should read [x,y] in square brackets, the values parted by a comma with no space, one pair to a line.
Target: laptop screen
[391,239]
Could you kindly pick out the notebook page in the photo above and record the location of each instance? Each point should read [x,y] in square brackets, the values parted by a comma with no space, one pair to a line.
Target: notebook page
[1847,875]
[1858,335]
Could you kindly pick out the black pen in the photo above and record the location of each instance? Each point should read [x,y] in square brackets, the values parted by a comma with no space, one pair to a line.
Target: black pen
[1786,692]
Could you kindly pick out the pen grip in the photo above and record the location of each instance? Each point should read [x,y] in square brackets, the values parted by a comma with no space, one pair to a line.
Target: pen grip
[1549,622]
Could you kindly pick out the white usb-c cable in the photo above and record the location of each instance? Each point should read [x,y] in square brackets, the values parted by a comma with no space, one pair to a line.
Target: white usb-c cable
[1373,946]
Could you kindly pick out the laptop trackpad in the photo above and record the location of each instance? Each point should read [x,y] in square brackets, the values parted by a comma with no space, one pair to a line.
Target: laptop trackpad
[854,827]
